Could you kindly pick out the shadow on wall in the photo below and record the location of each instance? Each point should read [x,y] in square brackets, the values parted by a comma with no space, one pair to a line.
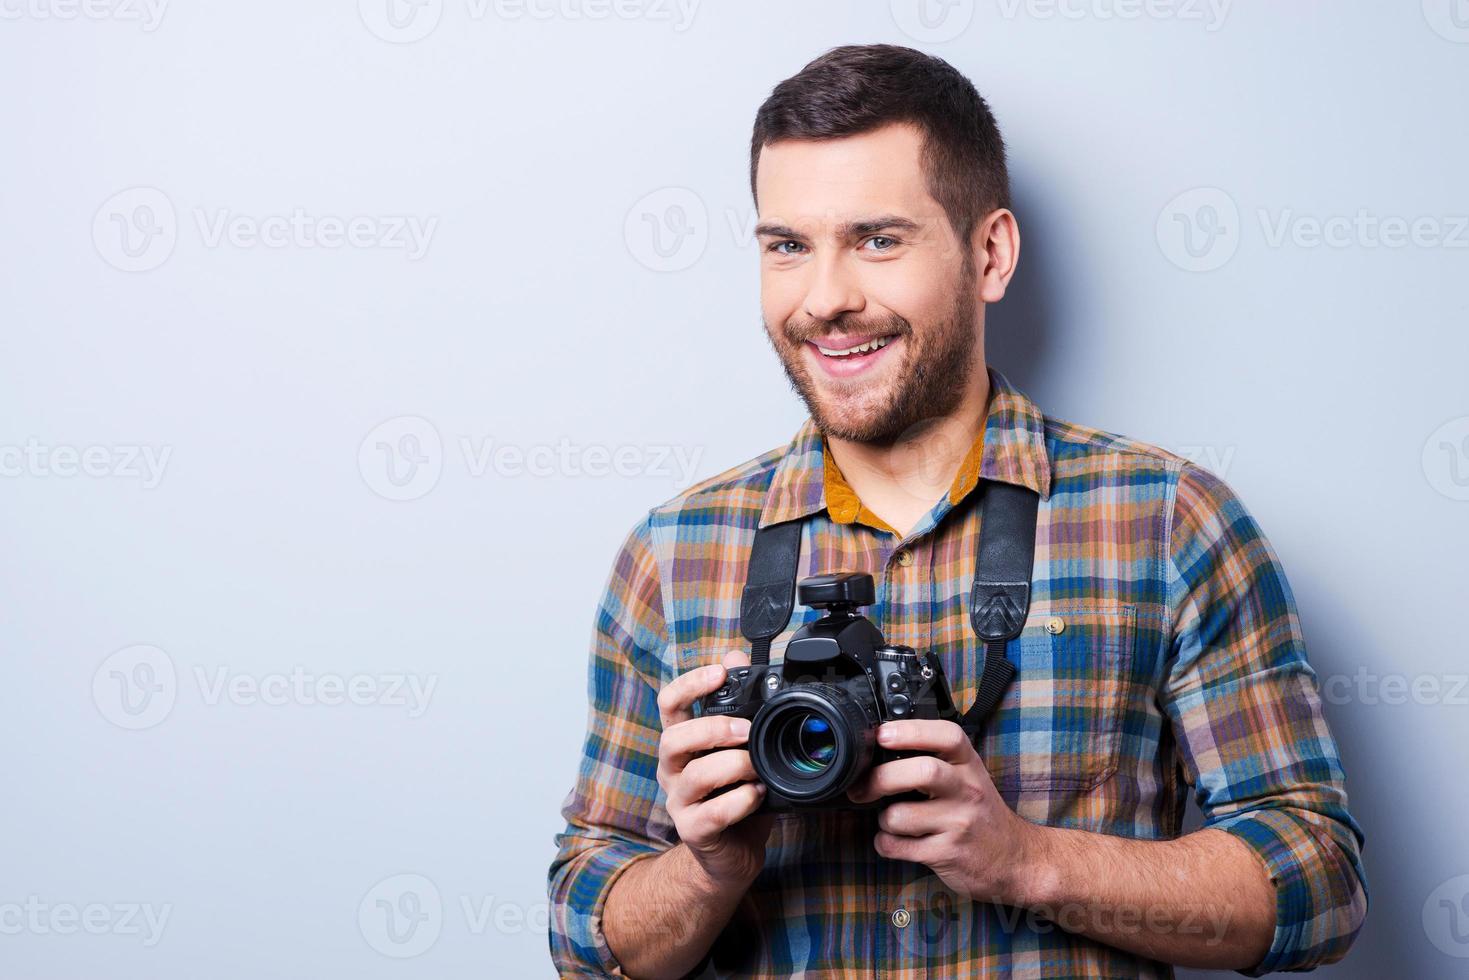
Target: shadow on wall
[1021,333]
[1018,327]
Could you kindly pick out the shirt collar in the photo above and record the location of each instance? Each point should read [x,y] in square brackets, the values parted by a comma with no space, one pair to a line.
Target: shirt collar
[1014,452]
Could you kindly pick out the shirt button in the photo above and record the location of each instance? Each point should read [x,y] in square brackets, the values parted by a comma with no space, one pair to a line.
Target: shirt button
[1055,625]
[904,558]
[901,918]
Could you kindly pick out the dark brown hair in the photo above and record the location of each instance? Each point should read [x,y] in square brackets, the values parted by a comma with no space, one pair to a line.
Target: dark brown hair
[857,88]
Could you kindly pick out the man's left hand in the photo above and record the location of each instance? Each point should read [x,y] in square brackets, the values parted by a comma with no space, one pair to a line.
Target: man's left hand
[964,832]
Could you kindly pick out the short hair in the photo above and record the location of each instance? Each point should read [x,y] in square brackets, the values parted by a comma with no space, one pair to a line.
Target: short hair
[858,88]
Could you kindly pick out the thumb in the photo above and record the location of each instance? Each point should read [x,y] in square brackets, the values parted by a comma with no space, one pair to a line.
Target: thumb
[735,658]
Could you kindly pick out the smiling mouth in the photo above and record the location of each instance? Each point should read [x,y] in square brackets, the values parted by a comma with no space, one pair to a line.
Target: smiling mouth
[866,347]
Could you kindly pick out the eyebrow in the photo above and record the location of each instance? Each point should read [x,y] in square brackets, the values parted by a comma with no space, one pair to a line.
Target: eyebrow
[850,230]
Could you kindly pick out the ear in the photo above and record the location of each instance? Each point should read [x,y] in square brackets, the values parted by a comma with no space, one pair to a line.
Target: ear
[995,247]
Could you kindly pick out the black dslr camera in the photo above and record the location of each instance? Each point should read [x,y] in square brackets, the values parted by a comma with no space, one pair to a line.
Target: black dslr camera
[814,717]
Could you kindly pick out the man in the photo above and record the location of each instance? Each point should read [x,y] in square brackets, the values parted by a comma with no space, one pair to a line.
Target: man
[1162,653]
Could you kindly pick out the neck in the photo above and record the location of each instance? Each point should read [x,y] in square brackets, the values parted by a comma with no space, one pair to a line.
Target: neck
[902,482]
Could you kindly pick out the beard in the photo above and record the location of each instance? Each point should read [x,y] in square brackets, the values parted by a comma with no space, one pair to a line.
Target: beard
[929,382]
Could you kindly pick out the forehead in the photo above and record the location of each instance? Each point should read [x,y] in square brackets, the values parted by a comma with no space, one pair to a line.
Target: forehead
[799,182]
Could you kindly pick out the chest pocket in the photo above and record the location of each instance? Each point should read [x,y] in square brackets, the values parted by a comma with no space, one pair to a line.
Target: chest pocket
[1060,724]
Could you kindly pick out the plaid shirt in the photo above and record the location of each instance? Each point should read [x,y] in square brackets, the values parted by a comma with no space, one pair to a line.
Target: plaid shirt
[1162,654]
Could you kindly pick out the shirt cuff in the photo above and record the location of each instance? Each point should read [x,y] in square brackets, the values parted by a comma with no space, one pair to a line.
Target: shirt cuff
[1319,901]
[576,937]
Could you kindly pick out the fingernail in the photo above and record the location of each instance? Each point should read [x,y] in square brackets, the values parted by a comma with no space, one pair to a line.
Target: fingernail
[739,727]
[713,670]
[884,734]
[760,788]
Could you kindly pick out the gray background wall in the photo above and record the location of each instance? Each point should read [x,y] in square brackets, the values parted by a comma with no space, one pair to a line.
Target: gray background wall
[340,350]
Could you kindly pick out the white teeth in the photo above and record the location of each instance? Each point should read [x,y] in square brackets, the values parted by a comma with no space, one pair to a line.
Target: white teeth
[877,344]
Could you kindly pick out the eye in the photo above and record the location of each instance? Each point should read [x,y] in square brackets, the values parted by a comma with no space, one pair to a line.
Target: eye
[882,243]
[779,248]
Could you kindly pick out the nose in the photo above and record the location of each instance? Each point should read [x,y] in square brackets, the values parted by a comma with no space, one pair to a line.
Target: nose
[833,291]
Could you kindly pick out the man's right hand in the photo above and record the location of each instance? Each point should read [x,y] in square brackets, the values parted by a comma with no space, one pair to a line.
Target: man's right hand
[699,756]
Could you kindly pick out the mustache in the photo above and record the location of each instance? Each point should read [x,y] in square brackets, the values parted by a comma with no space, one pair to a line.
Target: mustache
[799,331]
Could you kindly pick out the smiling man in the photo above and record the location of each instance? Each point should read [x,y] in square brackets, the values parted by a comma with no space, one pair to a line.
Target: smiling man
[1162,655]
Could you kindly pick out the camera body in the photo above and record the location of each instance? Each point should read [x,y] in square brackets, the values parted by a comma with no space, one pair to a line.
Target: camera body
[814,716]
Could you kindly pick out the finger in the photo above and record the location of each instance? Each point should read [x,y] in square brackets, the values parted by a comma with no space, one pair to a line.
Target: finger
[735,658]
[709,819]
[679,744]
[710,772]
[675,701]
[924,773]
[919,850]
[941,738]
[916,818]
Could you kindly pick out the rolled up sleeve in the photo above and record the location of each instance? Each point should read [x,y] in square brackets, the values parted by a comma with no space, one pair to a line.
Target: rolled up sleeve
[614,814]
[1252,737]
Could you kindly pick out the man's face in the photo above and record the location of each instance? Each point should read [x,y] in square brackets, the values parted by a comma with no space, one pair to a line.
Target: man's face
[867,294]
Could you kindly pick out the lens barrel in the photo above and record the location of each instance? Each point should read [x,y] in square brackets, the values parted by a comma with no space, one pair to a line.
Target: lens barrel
[811,741]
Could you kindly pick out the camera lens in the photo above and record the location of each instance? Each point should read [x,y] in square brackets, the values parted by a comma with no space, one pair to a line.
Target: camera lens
[812,740]
[807,743]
